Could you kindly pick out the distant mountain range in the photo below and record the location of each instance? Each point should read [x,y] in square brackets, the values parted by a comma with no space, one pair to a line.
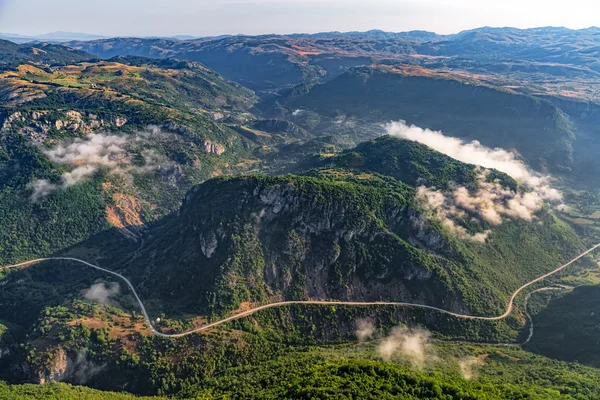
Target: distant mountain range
[61,36]
[58,36]
[418,36]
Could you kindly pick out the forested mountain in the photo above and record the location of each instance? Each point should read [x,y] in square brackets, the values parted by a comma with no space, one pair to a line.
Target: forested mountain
[114,143]
[217,175]
[12,54]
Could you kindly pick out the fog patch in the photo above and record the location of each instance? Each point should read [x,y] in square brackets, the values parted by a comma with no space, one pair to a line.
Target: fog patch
[84,370]
[102,293]
[475,153]
[365,328]
[469,367]
[94,151]
[489,202]
[412,345]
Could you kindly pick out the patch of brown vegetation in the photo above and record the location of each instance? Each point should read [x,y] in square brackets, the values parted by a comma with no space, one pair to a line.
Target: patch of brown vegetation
[92,323]
[37,51]
[244,306]
[29,69]
[129,208]
[113,217]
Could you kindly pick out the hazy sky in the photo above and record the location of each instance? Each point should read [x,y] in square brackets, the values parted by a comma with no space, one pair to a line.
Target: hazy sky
[204,17]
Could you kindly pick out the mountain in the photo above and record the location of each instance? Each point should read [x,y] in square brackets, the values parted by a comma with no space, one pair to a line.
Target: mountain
[418,36]
[61,36]
[344,232]
[259,62]
[58,36]
[559,45]
[110,144]
[460,107]
[12,54]
[537,55]
[233,172]
[351,228]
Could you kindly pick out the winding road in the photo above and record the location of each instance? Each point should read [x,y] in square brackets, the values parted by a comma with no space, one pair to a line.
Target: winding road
[526,310]
[243,314]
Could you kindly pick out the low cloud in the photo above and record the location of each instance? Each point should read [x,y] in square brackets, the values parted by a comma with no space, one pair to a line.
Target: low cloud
[365,328]
[94,149]
[412,345]
[490,202]
[469,367]
[83,369]
[41,189]
[475,153]
[102,293]
[86,155]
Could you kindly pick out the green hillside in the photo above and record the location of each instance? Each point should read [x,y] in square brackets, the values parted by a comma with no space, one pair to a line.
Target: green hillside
[141,132]
[61,391]
[460,108]
[345,234]
[12,54]
[244,361]
[568,327]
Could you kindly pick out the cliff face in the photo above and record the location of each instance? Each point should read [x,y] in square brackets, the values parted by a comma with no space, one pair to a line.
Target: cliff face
[357,234]
[254,239]
[41,125]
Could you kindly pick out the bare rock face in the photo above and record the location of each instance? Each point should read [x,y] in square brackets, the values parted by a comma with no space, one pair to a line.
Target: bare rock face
[208,145]
[208,244]
[212,147]
[39,125]
[323,232]
[60,369]
[62,366]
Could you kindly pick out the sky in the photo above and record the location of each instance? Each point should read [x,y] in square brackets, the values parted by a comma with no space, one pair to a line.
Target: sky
[215,17]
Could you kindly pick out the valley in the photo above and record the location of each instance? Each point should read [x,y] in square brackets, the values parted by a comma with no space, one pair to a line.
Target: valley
[333,215]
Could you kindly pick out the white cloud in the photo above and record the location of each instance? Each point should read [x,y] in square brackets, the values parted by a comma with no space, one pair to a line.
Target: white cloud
[490,201]
[475,153]
[469,367]
[86,155]
[413,345]
[102,293]
[365,328]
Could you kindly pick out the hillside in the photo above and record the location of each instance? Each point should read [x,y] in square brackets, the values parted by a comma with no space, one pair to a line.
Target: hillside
[555,61]
[559,45]
[347,234]
[94,344]
[467,110]
[240,199]
[12,54]
[260,63]
[108,144]
[567,329]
